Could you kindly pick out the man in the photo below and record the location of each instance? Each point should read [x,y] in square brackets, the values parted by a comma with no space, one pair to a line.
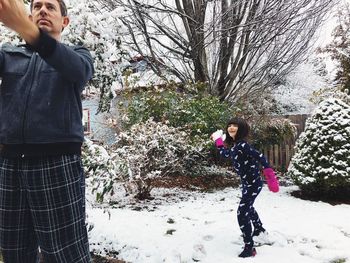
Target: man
[42,198]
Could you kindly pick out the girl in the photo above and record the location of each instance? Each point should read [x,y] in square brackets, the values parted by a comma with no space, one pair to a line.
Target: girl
[246,163]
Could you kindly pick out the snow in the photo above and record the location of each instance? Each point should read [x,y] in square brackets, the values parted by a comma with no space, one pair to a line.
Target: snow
[303,83]
[298,91]
[202,227]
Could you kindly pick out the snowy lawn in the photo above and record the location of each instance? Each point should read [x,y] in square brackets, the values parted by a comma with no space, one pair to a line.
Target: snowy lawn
[202,227]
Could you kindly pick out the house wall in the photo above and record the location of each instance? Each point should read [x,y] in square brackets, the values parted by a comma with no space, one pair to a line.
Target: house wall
[99,128]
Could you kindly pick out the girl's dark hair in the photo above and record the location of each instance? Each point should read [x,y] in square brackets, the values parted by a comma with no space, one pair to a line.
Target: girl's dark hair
[242,133]
[62,4]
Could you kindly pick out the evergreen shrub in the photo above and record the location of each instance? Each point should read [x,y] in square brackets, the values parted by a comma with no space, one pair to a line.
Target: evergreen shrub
[321,164]
[194,111]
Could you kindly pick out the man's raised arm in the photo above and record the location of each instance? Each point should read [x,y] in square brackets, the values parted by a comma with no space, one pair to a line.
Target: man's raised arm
[13,15]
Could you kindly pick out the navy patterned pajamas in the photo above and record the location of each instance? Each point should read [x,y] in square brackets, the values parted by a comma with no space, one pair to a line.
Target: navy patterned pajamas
[246,162]
[42,200]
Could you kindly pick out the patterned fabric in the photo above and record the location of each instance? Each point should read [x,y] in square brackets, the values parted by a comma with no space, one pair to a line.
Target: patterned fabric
[246,213]
[42,204]
[246,161]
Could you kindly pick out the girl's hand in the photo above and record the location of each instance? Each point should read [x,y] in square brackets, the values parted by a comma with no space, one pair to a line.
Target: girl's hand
[216,135]
[271,180]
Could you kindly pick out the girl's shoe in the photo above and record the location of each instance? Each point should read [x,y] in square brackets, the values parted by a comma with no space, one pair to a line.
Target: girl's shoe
[247,252]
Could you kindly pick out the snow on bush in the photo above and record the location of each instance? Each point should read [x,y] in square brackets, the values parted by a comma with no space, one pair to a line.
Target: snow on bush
[321,164]
[98,168]
[147,151]
[8,36]
[95,158]
[100,33]
[267,131]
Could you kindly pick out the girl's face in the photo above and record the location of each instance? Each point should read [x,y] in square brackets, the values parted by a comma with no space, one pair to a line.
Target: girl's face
[232,130]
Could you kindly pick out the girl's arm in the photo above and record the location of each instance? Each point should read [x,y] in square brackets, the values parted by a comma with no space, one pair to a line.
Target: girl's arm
[268,172]
[225,152]
[249,150]
[219,143]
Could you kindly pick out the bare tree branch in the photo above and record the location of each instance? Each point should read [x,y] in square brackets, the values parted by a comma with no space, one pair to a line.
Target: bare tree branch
[236,46]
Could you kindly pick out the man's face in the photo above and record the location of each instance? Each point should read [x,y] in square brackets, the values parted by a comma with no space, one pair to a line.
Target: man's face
[46,14]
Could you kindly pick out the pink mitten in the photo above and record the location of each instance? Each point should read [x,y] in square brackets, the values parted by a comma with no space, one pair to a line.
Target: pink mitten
[271,179]
[217,137]
[219,142]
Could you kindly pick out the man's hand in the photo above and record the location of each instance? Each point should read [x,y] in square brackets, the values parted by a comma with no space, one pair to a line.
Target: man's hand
[13,15]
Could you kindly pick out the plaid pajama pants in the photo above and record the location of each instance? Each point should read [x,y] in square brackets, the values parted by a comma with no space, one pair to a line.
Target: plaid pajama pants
[42,204]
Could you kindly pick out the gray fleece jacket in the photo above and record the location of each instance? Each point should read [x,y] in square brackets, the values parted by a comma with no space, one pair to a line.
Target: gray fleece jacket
[40,92]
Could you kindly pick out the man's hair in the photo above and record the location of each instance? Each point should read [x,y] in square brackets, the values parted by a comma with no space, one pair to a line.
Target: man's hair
[62,4]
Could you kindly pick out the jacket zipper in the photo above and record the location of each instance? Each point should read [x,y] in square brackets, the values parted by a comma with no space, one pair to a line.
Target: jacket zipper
[27,98]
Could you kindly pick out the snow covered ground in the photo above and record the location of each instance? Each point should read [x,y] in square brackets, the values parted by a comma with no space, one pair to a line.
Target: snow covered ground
[202,227]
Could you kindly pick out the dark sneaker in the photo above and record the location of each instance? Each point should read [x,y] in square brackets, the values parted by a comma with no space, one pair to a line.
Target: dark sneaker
[247,252]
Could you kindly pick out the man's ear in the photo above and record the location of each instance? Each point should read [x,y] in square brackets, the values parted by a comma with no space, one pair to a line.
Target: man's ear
[65,22]
[30,17]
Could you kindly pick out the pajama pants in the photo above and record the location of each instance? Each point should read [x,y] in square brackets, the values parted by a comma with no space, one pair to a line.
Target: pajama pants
[42,205]
[246,213]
